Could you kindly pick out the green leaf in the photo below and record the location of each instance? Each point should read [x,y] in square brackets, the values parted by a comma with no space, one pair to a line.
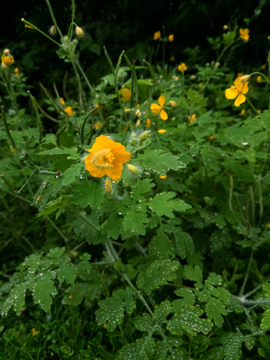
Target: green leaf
[66,272]
[157,274]
[183,243]
[70,174]
[162,204]
[128,296]
[188,320]
[88,193]
[43,290]
[70,152]
[194,274]
[214,310]
[80,291]
[189,299]
[160,161]
[15,298]
[135,221]
[143,187]
[161,246]
[138,350]
[144,322]
[162,311]
[52,206]
[111,312]
[112,226]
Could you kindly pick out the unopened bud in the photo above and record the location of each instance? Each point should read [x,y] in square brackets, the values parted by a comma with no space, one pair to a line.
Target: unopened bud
[79,31]
[52,30]
[133,170]
[145,135]
[108,186]
[244,78]
[138,123]
[172,103]
[225,27]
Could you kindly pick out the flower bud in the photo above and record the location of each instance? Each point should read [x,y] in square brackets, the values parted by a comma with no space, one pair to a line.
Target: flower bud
[133,170]
[79,31]
[172,103]
[225,27]
[145,135]
[138,123]
[52,30]
[108,186]
[244,78]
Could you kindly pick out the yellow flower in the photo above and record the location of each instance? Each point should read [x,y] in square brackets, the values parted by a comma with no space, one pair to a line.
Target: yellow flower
[237,91]
[97,125]
[124,128]
[240,74]
[259,79]
[157,35]
[244,78]
[158,109]
[200,85]
[69,110]
[34,332]
[263,67]
[171,37]
[7,59]
[172,103]
[172,58]
[17,72]
[106,158]
[244,34]
[79,31]
[225,27]
[162,131]
[192,118]
[182,67]
[259,111]
[163,176]
[126,93]
[211,137]
[62,101]
[138,123]
[148,123]
[243,111]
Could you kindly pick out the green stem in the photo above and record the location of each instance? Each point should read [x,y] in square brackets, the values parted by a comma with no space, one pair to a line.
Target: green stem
[37,29]
[88,222]
[85,77]
[256,111]
[57,229]
[257,288]
[247,273]
[6,127]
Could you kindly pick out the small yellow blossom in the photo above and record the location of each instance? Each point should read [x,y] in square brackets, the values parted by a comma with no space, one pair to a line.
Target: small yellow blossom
[28,26]
[126,93]
[211,137]
[192,118]
[157,35]
[175,78]
[259,111]
[79,31]
[124,128]
[259,79]
[69,110]
[237,91]
[171,37]
[34,332]
[138,123]
[138,113]
[105,326]
[108,186]
[240,74]
[106,158]
[263,67]
[148,123]
[52,30]
[200,85]
[39,197]
[225,27]
[243,111]
[162,131]
[133,170]
[7,59]
[62,101]
[17,72]
[172,103]
[182,67]
[163,176]
[244,34]
[158,109]
[172,58]
[97,125]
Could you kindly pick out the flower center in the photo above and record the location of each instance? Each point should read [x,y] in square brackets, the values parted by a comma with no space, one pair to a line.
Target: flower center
[103,159]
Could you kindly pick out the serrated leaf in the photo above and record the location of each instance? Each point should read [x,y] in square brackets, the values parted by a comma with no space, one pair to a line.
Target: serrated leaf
[128,296]
[188,319]
[70,152]
[135,221]
[66,273]
[43,290]
[164,204]
[143,187]
[160,160]
[144,322]
[161,246]
[112,226]
[52,206]
[189,299]
[80,291]
[183,243]
[88,193]
[193,273]
[157,274]
[138,350]
[214,310]
[15,298]
[70,174]
[162,311]
[232,344]
[111,312]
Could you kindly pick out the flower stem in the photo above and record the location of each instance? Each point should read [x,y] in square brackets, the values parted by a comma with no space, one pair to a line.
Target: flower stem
[256,111]
[247,273]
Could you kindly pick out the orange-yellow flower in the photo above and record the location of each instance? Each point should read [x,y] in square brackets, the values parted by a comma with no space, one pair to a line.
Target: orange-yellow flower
[97,125]
[171,37]
[7,59]
[157,35]
[148,123]
[243,111]
[240,74]
[17,72]
[244,34]
[192,118]
[163,176]
[106,158]
[162,131]
[158,109]
[62,101]
[211,137]
[34,332]
[182,67]
[69,110]
[126,93]
[237,91]
[259,79]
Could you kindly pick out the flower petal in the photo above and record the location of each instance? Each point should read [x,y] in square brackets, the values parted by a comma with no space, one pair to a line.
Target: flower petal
[155,108]
[240,100]
[161,100]
[245,88]
[163,115]
[231,93]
